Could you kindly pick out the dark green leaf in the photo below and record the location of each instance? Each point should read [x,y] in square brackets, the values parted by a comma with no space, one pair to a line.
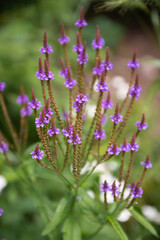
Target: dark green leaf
[71,229]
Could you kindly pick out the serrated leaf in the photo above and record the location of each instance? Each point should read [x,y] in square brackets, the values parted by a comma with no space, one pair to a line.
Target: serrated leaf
[60,214]
[117,227]
[144,222]
[71,229]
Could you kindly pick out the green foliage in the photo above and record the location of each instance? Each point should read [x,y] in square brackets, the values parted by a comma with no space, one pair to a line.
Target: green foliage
[117,227]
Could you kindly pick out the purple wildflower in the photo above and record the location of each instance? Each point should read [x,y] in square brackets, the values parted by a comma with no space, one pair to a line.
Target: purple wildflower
[133,145]
[79,47]
[22,99]
[42,120]
[78,198]
[98,70]
[116,118]
[37,153]
[40,74]
[3,147]
[63,72]
[35,104]
[104,119]
[113,149]
[45,49]
[136,191]
[53,131]
[74,139]
[68,131]
[26,111]
[141,124]
[81,22]
[1,211]
[134,63]
[115,190]
[99,134]
[47,111]
[98,43]
[104,187]
[125,147]
[106,63]
[83,57]
[106,104]
[63,39]
[64,115]
[136,89]
[80,100]
[147,163]
[101,86]
[2,86]
[70,82]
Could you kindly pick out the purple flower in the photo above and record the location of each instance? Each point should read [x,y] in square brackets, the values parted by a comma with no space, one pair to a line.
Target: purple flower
[3,147]
[63,72]
[113,150]
[74,139]
[106,104]
[2,86]
[22,99]
[40,74]
[53,131]
[141,125]
[64,39]
[41,121]
[107,65]
[104,187]
[125,147]
[98,44]
[136,191]
[79,198]
[116,118]
[101,86]
[133,146]
[70,82]
[78,48]
[68,132]
[26,111]
[82,58]
[104,119]
[46,49]
[98,70]
[80,100]
[64,115]
[34,104]
[99,134]
[135,91]
[115,190]
[1,211]
[133,64]
[37,153]
[147,163]
[81,23]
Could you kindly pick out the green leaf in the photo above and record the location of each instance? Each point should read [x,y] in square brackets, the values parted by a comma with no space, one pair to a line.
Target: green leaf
[117,227]
[71,229]
[144,222]
[60,214]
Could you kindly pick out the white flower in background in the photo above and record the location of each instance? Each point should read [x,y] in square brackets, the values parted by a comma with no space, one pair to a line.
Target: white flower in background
[90,110]
[151,213]
[3,183]
[121,87]
[124,216]
[91,193]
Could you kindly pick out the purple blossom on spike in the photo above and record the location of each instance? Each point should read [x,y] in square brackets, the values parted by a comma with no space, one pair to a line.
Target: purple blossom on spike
[63,39]
[98,43]
[125,147]
[81,22]
[104,119]
[2,86]
[106,63]
[40,74]
[133,145]
[115,190]
[68,131]
[64,72]
[45,49]
[22,99]
[104,187]
[141,124]
[1,211]
[53,131]
[47,111]
[116,118]
[37,153]
[84,117]
[42,120]
[101,86]
[113,149]
[3,147]
[80,100]
[134,63]
[34,103]
[99,134]
[98,70]
[26,111]
[79,47]
[147,163]
[70,82]
[136,89]
[136,190]
[83,57]
[64,114]
[48,74]
[106,104]
[74,139]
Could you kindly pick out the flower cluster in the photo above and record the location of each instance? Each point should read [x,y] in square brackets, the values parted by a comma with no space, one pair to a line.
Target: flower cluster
[80,101]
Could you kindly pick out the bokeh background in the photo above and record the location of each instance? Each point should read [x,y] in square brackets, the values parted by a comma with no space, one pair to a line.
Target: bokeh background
[124,26]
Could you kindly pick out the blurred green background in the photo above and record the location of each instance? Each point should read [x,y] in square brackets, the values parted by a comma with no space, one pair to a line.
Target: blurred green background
[124,27]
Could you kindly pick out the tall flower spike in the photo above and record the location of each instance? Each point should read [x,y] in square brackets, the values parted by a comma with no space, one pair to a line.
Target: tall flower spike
[102,86]
[107,64]
[63,39]
[116,118]
[106,104]
[79,47]
[74,138]
[134,63]
[147,163]
[113,149]
[45,49]
[133,145]
[141,124]
[99,133]
[98,43]
[104,187]
[82,56]
[40,74]
[3,147]
[70,82]
[26,111]
[53,130]
[22,99]
[80,100]
[64,71]
[48,74]
[136,89]
[68,131]
[2,86]
[37,153]
[81,22]
[34,103]
[125,147]
[42,120]
[115,190]
[98,70]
